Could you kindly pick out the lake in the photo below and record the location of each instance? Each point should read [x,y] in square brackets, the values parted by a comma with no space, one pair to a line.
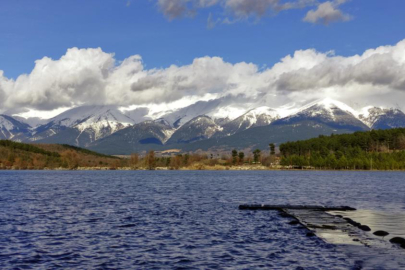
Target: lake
[180,219]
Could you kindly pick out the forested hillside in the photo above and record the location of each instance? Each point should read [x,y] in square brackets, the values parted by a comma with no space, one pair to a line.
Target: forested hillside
[14,155]
[377,149]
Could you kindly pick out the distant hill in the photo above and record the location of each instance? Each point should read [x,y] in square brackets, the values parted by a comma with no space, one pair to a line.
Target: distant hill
[39,156]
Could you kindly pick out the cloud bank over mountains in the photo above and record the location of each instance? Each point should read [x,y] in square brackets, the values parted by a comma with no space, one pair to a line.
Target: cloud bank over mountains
[323,12]
[92,76]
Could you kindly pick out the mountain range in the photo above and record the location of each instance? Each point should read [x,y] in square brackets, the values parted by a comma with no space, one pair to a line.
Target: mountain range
[107,129]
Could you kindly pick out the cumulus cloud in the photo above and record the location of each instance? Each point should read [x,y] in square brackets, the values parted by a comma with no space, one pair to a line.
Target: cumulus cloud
[91,76]
[327,12]
[81,75]
[205,75]
[381,67]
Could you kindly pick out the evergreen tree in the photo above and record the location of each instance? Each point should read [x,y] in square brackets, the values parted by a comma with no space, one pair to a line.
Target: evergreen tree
[241,156]
[272,149]
[377,149]
[234,156]
[256,155]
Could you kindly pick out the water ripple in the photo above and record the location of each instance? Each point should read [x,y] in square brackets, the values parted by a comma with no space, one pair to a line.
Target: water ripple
[176,220]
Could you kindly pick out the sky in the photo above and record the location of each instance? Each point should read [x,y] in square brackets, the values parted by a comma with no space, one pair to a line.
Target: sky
[59,54]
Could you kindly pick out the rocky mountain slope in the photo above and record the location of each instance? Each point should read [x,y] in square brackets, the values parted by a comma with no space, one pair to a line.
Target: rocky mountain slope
[202,125]
[197,129]
[139,137]
[82,125]
[258,117]
[12,129]
[327,111]
[380,118]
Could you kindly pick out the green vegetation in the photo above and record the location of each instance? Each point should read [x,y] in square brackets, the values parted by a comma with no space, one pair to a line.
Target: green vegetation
[86,151]
[241,157]
[272,149]
[27,147]
[372,150]
[15,155]
[234,156]
[256,155]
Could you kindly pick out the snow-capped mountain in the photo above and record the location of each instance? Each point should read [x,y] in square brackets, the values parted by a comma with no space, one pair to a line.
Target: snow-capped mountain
[139,137]
[184,115]
[199,128]
[327,111]
[257,117]
[109,130]
[380,118]
[32,121]
[12,129]
[90,123]
[220,110]
[369,115]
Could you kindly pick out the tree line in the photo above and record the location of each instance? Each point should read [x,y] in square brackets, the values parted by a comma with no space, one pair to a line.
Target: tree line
[15,155]
[370,150]
[204,160]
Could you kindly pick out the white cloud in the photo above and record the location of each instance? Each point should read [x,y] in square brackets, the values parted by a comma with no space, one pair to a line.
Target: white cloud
[91,76]
[39,114]
[381,67]
[78,75]
[327,12]
[205,75]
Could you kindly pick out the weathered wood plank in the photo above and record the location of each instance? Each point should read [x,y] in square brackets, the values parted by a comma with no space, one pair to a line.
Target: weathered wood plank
[295,207]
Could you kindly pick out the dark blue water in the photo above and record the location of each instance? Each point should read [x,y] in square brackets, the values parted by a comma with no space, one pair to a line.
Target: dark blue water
[172,219]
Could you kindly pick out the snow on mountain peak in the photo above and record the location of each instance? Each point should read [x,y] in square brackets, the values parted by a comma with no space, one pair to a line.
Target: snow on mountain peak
[263,110]
[261,114]
[330,104]
[327,105]
[86,115]
[5,123]
[369,115]
[10,127]
[100,121]
[378,117]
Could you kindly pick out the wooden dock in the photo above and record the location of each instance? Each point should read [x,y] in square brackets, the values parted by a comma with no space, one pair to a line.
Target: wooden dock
[323,222]
[268,207]
[350,237]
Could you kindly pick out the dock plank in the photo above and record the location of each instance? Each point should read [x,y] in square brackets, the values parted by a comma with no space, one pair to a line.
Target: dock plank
[268,207]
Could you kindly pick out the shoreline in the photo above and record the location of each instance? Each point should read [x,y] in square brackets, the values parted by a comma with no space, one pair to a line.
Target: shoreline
[208,168]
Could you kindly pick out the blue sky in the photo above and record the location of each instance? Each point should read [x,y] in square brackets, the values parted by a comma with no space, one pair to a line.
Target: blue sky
[169,54]
[31,30]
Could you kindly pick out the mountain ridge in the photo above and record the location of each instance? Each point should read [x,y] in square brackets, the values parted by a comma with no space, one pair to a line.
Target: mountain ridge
[89,126]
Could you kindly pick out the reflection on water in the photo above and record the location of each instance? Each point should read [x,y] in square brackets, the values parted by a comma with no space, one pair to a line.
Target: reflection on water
[391,222]
[337,237]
